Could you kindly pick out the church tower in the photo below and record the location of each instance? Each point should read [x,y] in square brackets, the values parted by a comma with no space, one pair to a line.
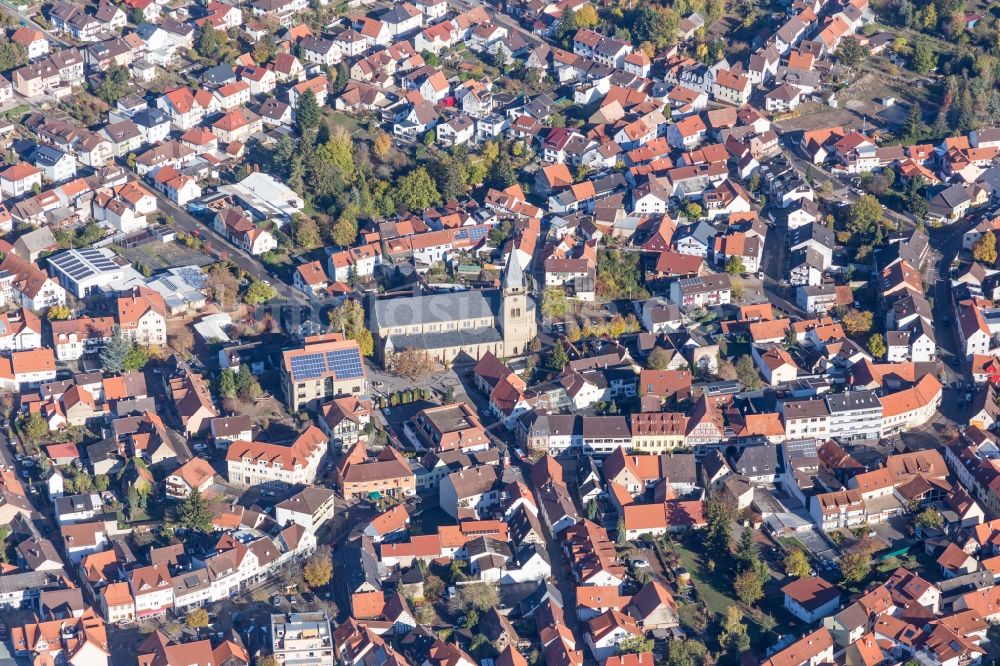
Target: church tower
[517,316]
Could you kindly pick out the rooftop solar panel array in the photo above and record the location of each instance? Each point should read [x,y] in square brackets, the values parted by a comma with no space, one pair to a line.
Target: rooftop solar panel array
[309,366]
[82,263]
[345,363]
[342,363]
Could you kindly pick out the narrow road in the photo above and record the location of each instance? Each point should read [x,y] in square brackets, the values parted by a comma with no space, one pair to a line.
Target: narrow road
[946,243]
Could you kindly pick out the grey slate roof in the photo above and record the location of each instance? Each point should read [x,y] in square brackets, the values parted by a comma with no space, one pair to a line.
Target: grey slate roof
[758,461]
[436,308]
[446,339]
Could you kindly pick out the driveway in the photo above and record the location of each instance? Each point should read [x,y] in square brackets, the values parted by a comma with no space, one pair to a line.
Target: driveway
[816,544]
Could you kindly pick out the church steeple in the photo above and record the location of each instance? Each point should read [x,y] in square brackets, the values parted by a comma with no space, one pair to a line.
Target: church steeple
[517,316]
[513,276]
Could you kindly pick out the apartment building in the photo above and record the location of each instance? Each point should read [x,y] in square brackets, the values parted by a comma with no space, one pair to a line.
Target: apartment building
[326,366]
[843,508]
[658,432]
[256,463]
[153,590]
[855,415]
[386,474]
[450,428]
[805,419]
[303,639]
[142,317]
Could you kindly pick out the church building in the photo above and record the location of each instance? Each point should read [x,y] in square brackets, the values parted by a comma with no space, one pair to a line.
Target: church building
[446,325]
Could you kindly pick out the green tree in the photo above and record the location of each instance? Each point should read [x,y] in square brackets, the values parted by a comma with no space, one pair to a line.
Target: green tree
[115,352]
[746,372]
[734,639]
[685,652]
[865,215]
[747,555]
[342,78]
[635,645]
[924,59]
[193,513]
[499,234]
[244,379]
[259,292]
[558,358]
[307,113]
[748,587]
[339,151]
[555,305]
[197,618]
[655,24]
[876,346]
[227,383]
[985,249]
[913,126]
[34,428]
[345,229]
[797,564]
[734,265]
[12,55]
[855,566]
[449,176]
[114,85]
[566,28]
[417,191]
[133,500]
[719,528]
[318,569]
[136,359]
[502,173]
[306,231]
[210,42]
[693,211]
[471,619]
[658,359]
[851,53]
[929,518]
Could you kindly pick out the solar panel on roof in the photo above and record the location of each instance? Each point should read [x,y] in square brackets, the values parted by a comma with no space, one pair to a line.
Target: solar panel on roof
[477,233]
[345,363]
[309,366]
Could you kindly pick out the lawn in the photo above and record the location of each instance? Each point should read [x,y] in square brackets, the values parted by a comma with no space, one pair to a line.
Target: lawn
[334,118]
[708,589]
[713,590]
[791,543]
